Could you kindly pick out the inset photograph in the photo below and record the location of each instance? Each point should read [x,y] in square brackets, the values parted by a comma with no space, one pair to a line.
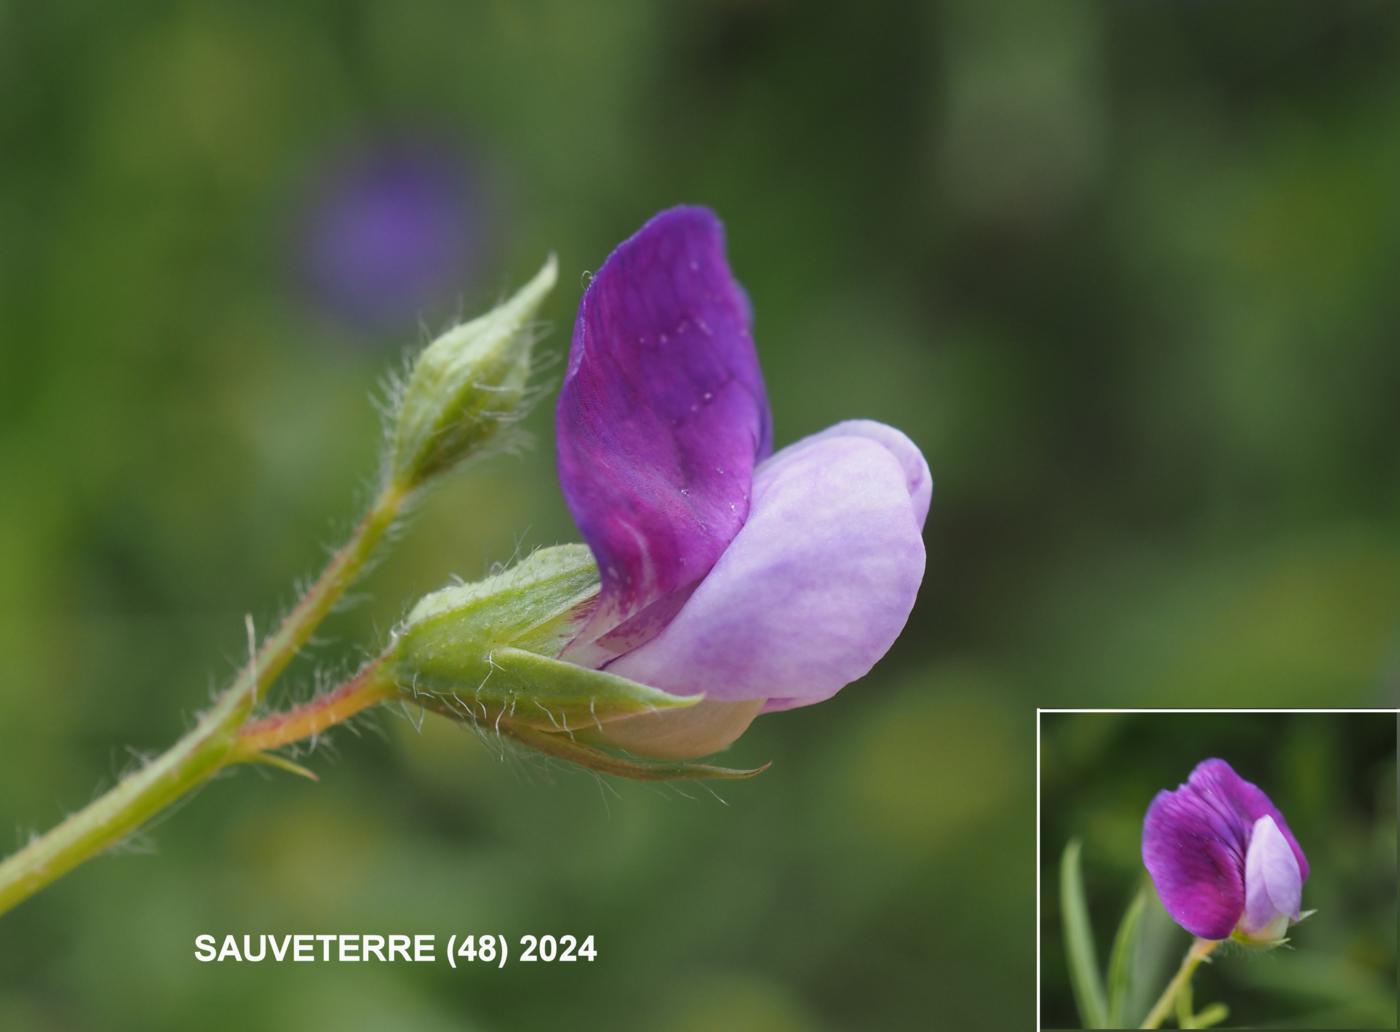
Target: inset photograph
[1217,869]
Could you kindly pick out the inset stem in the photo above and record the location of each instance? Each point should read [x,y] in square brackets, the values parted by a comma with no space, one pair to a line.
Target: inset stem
[1199,951]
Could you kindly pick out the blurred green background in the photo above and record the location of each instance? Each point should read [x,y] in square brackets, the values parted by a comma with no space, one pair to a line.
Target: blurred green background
[1334,778]
[1126,272]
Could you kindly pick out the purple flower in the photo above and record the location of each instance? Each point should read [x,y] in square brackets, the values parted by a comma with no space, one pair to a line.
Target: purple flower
[765,582]
[391,231]
[1223,858]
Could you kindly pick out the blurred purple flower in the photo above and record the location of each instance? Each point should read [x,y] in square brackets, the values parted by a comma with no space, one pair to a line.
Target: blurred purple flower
[392,231]
[1223,858]
[764,582]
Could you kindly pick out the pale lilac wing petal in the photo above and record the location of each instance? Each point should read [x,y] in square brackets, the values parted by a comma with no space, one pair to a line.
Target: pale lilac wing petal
[1195,855]
[905,451]
[662,415]
[1273,882]
[813,590]
[1218,779]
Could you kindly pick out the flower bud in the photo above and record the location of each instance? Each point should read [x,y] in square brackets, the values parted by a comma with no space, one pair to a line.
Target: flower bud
[485,651]
[465,385]
[1223,858]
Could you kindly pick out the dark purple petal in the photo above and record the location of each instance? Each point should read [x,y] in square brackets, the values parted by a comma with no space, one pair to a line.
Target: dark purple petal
[1194,844]
[1199,873]
[1218,780]
[661,420]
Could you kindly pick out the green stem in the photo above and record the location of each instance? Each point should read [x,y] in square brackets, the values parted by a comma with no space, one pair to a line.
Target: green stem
[135,800]
[1199,951]
[214,742]
[1185,1007]
[344,567]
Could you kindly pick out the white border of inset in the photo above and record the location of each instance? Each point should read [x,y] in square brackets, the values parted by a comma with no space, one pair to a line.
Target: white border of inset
[1039,710]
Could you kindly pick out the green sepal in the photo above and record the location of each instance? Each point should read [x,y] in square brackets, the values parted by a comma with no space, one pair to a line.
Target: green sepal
[487,647]
[537,604]
[465,385]
[532,691]
[1272,936]
[1272,942]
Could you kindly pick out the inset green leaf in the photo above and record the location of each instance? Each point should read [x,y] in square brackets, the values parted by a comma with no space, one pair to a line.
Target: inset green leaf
[1212,1015]
[1121,962]
[1079,942]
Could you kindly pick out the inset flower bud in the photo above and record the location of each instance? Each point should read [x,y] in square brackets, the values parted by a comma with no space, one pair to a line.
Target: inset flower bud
[1223,859]
[465,385]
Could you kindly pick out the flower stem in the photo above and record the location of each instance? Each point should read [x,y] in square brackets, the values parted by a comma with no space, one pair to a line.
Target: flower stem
[1181,982]
[134,800]
[367,688]
[280,647]
[215,741]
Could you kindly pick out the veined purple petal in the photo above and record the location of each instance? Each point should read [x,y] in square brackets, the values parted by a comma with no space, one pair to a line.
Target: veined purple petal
[1273,883]
[1199,873]
[661,419]
[812,591]
[1195,841]
[1217,780]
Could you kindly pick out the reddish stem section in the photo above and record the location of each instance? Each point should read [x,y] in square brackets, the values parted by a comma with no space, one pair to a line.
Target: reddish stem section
[367,688]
